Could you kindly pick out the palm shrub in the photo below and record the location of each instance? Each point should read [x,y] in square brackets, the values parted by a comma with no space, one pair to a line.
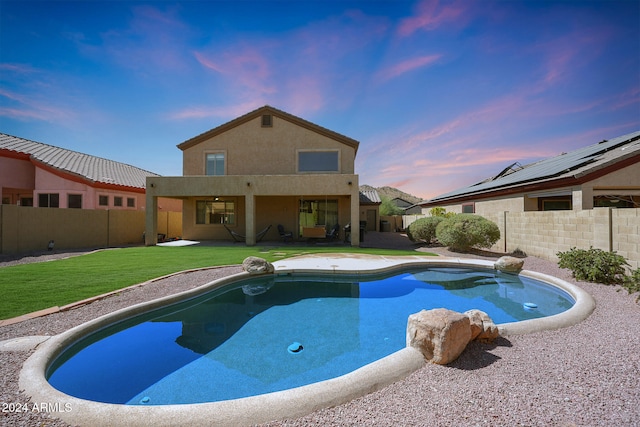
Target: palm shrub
[462,232]
[594,265]
[424,229]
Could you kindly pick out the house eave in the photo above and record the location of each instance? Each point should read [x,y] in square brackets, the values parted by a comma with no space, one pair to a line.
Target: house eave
[277,113]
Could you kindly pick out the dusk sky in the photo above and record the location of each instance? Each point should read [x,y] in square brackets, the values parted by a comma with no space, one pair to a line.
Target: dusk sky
[440,94]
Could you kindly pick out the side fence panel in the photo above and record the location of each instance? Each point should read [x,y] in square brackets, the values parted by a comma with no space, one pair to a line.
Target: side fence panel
[544,234]
[28,229]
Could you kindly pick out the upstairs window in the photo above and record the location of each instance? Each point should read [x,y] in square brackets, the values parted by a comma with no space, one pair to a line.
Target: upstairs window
[131,202]
[318,161]
[215,164]
[117,201]
[103,200]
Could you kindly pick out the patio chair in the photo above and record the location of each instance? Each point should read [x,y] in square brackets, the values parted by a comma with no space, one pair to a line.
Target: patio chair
[333,233]
[285,235]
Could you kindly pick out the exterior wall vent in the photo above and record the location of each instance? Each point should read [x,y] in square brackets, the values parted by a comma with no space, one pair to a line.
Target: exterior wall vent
[267,121]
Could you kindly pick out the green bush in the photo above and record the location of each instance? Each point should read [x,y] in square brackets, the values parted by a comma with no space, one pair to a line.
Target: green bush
[594,265]
[464,231]
[424,229]
[440,211]
[632,283]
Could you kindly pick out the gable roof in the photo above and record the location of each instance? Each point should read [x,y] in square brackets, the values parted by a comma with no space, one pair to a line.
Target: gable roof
[570,168]
[92,170]
[267,109]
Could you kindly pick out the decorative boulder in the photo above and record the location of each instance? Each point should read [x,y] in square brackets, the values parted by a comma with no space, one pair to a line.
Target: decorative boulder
[256,265]
[441,335]
[482,327]
[509,264]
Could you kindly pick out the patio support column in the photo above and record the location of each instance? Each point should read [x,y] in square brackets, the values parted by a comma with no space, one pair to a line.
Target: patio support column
[250,209]
[355,216]
[151,221]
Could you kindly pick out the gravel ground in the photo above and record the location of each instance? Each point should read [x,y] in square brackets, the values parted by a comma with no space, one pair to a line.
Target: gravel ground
[585,375]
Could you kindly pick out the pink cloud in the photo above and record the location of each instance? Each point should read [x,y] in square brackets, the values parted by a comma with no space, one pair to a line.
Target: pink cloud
[226,111]
[152,43]
[245,67]
[407,66]
[28,107]
[430,14]
[296,71]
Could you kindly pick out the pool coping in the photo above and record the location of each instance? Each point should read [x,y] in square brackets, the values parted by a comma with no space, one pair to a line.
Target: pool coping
[290,403]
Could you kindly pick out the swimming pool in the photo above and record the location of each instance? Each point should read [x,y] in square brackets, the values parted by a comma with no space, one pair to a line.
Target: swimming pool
[276,332]
[388,366]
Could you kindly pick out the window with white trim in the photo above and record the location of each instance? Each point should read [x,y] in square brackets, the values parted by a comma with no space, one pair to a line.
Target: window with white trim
[215,164]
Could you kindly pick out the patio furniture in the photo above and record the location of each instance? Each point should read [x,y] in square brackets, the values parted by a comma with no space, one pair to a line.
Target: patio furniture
[238,238]
[317,232]
[333,233]
[285,235]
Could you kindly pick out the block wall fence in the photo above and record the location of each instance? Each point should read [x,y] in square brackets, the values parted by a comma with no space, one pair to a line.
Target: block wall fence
[28,229]
[543,234]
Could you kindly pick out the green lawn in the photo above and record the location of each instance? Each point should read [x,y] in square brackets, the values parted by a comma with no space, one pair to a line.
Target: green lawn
[31,287]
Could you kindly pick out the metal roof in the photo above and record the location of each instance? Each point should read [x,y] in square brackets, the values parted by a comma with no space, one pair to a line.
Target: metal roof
[573,164]
[369,197]
[90,168]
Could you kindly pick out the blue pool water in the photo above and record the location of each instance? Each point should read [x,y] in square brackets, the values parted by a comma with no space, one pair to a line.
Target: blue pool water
[272,333]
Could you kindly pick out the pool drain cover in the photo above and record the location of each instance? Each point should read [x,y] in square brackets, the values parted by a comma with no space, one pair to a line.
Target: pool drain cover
[295,347]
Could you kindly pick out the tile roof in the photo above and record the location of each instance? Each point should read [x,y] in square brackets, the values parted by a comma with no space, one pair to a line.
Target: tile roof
[575,164]
[90,168]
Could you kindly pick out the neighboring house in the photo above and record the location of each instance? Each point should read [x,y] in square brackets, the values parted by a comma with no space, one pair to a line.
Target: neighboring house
[262,169]
[599,175]
[370,210]
[407,207]
[41,175]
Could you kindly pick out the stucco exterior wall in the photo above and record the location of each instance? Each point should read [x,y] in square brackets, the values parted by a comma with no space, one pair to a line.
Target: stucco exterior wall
[22,179]
[16,173]
[251,149]
[276,199]
[28,229]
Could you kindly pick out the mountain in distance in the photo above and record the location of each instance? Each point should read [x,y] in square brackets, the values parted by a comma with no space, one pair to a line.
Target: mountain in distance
[392,193]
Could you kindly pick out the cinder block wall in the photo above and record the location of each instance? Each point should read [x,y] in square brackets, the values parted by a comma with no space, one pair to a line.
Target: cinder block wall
[544,234]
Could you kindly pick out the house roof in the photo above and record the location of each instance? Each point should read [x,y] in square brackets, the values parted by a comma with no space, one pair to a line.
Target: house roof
[565,169]
[267,109]
[369,197]
[93,170]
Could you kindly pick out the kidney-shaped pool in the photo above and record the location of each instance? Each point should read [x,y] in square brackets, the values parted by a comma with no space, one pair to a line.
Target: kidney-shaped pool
[276,332]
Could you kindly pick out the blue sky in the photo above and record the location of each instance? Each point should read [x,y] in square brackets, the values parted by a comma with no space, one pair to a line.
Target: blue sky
[440,94]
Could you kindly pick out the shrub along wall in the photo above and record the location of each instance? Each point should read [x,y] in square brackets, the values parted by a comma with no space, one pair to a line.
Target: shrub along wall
[28,229]
[543,234]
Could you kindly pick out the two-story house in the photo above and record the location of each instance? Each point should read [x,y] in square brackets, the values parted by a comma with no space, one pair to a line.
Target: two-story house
[265,168]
